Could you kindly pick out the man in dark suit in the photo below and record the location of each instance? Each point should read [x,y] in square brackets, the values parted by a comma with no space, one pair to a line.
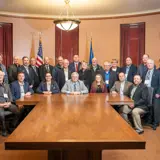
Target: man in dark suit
[63,75]
[95,69]
[109,76]
[35,71]
[6,104]
[142,68]
[45,68]
[129,70]
[60,62]
[151,78]
[27,70]
[19,89]
[75,65]
[13,70]
[138,92]
[115,66]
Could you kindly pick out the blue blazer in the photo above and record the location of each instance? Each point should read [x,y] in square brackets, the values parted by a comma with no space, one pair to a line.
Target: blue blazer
[72,67]
[43,87]
[15,89]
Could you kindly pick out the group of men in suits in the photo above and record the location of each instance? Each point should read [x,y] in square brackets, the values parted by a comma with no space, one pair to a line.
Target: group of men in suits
[128,80]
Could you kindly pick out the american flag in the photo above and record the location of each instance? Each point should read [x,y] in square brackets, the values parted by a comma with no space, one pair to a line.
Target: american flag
[39,60]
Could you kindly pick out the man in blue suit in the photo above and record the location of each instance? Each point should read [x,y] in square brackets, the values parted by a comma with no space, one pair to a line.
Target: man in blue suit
[75,65]
[19,89]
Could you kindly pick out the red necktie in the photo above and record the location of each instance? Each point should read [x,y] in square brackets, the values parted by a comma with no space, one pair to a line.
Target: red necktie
[76,67]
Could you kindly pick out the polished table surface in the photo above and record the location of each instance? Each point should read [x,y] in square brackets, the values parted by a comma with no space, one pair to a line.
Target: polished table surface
[74,122]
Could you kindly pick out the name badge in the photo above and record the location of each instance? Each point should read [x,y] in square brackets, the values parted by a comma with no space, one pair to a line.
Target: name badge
[107,81]
[146,82]
[5,95]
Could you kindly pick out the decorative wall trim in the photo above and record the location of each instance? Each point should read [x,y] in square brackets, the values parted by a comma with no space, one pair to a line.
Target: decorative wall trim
[93,17]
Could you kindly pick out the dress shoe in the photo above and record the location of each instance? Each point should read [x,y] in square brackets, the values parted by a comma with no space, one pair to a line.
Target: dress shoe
[139,131]
[155,125]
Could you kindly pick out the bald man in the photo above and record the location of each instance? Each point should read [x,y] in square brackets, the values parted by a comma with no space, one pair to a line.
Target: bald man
[45,68]
[95,69]
[13,69]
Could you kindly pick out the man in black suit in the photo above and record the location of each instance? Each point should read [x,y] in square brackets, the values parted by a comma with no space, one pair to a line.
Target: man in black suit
[115,66]
[151,78]
[27,70]
[45,68]
[64,74]
[60,62]
[35,71]
[138,92]
[13,70]
[109,76]
[129,70]
[75,65]
[95,69]
[142,68]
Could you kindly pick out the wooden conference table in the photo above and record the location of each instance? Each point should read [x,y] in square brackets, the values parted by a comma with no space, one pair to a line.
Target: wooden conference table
[74,127]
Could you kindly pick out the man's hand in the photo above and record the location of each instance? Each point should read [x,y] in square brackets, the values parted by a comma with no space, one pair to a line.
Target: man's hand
[157,95]
[47,92]
[31,86]
[7,104]
[27,94]
[114,93]
[131,105]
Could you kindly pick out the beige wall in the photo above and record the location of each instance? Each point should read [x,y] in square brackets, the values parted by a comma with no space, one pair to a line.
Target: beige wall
[105,34]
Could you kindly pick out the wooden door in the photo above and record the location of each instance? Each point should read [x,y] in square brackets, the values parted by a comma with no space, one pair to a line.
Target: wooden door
[66,43]
[132,42]
[6,43]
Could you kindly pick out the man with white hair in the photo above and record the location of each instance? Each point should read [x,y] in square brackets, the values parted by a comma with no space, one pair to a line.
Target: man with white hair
[74,85]
[45,68]
[109,76]
[3,69]
[6,105]
[63,74]
[95,69]
[151,78]
[13,70]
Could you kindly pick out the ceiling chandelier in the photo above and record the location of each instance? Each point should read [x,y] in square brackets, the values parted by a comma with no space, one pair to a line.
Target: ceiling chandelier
[68,21]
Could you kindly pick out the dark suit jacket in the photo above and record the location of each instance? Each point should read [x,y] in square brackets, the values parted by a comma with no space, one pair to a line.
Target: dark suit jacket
[36,78]
[132,72]
[60,79]
[15,89]
[43,87]
[43,71]
[99,70]
[141,69]
[155,82]
[85,76]
[140,96]
[112,78]
[72,67]
[12,72]
[28,77]
[117,71]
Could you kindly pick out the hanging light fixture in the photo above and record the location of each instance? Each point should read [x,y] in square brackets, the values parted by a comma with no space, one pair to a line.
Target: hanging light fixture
[67,22]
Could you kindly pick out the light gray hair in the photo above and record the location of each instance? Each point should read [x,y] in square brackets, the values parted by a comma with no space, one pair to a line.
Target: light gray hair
[74,74]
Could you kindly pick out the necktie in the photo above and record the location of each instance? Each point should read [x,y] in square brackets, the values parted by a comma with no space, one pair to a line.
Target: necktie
[76,67]
[148,75]
[35,69]
[127,70]
[47,68]
[74,87]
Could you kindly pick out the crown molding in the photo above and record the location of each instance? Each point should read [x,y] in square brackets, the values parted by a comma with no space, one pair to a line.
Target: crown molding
[86,17]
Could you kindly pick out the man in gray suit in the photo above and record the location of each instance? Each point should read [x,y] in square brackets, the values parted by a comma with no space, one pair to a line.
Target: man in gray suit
[121,86]
[74,85]
[142,68]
